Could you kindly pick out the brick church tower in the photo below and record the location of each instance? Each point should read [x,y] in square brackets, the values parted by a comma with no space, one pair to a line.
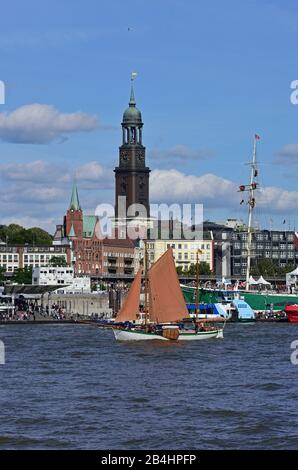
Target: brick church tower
[73,222]
[132,174]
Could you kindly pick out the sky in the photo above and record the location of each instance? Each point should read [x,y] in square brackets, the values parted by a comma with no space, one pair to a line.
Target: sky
[211,74]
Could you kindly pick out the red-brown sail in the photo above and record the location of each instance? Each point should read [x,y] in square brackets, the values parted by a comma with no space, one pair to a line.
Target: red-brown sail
[166,301]
[131,306]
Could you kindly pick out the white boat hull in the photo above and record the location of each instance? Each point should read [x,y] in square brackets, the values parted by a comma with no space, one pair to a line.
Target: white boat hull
[201,335]
[130,335]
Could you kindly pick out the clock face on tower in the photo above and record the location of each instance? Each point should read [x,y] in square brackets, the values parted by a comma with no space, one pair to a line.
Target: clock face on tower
[124,156]
[140,156]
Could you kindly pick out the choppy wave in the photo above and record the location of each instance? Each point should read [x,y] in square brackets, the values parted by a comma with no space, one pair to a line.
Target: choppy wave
[74,387]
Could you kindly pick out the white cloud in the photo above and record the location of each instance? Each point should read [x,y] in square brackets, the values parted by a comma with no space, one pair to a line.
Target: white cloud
[39,171]
[91,174]
[43,123]
[174,186]
[33,194]
[214,192]
[37,193]
[95,175]
[278,199]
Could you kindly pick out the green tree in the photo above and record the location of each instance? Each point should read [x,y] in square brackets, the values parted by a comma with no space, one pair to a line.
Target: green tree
[192,270]
[57,261]
[282,271]
[23,275]
[179,270]
[2,274]
[38,236]
[264,267]
[15,234]
[18,235]
[3,233]
[204,269]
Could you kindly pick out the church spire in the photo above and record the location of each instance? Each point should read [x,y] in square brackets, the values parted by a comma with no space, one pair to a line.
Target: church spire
[74,202]
[132,174]
[132,117]
[132,101]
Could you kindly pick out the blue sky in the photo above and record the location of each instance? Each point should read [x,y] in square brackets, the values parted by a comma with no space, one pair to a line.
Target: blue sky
[210,75]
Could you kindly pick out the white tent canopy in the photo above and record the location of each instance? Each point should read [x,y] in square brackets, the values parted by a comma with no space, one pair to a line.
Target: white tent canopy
[252,281]
[263,282]
[292,277]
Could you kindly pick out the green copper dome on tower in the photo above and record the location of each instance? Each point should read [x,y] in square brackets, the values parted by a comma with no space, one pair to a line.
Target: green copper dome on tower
[132,115]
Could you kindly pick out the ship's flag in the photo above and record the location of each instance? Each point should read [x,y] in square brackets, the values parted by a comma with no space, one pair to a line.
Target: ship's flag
[257,137]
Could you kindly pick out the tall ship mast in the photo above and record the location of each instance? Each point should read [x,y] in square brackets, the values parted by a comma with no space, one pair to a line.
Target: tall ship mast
[250,188]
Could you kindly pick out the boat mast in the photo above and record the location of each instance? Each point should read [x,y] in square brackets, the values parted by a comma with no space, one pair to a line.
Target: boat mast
[197,287]
[146,281]
[251,205]
[197,284]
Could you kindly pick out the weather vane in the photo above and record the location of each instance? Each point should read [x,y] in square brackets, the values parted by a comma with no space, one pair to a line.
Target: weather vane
[133,76]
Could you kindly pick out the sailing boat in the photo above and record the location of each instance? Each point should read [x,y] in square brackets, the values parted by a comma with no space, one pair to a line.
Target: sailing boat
[165,309]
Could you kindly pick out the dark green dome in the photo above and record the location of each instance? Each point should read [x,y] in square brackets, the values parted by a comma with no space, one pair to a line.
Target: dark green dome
[132,115]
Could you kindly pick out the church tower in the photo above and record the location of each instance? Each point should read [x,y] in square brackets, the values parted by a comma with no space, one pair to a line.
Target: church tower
[73,224]
[132,174]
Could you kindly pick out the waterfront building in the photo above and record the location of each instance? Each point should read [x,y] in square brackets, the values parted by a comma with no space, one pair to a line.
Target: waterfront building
[91,253]
[13,257]
[63,277]
[119,257]
[79,305]
[84,235]
[184,251]
[230,248]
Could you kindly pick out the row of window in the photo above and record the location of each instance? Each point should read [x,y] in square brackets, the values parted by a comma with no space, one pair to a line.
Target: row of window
[185,246]
[192,256]
[9,258]
[120,255]
[32,249]
[45,249]
[267,254]
[121,265]
[53,271]
[264,236]
[38,258]
[267,246]
[87,256]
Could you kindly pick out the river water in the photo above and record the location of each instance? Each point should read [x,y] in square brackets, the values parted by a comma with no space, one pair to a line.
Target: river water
[74,387]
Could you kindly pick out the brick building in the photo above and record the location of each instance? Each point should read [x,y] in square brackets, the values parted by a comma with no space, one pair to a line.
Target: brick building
[91,253]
